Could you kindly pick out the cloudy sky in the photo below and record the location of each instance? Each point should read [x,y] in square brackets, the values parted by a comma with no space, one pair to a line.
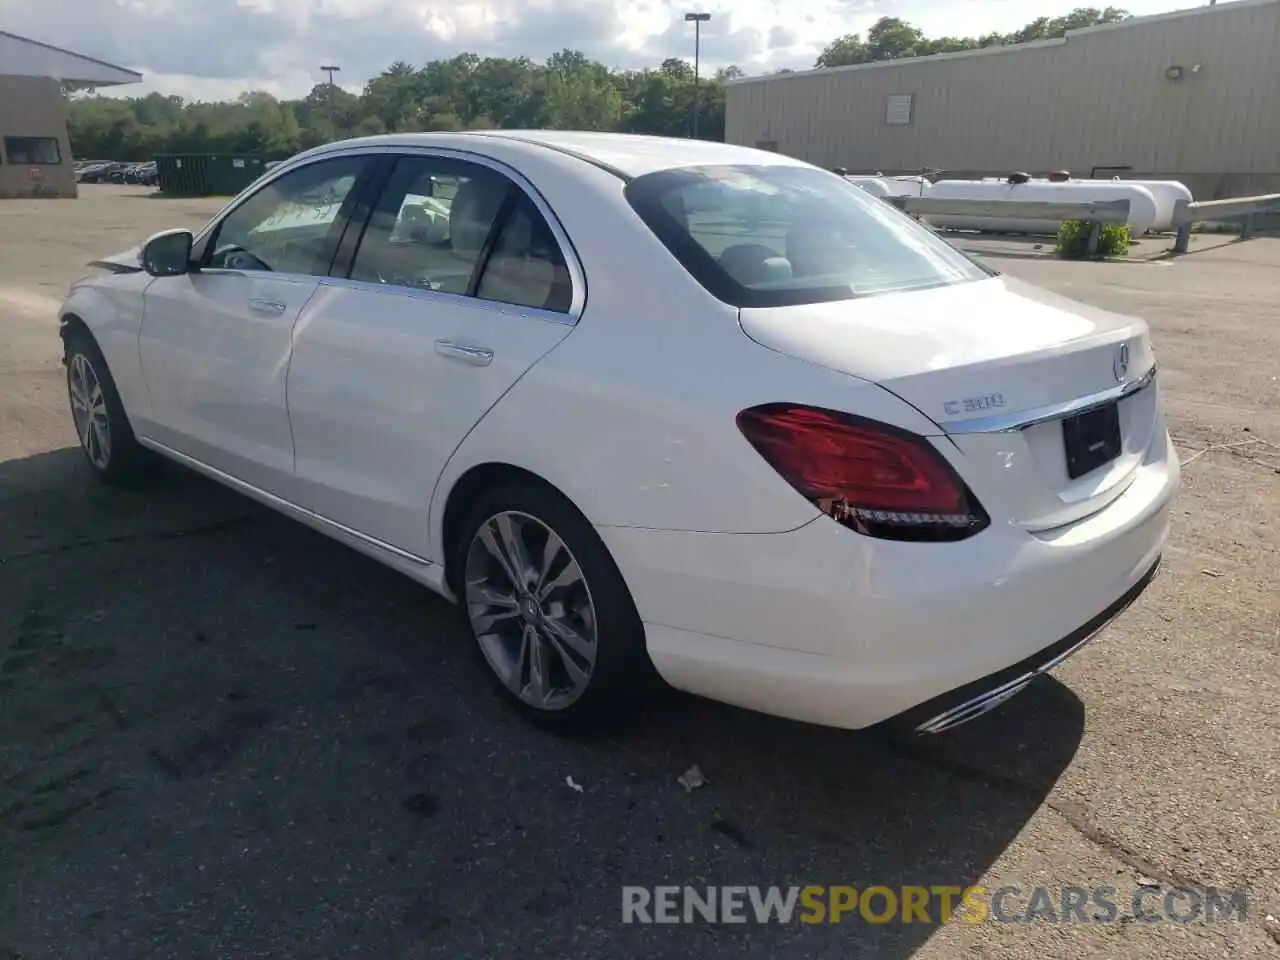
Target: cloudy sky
[214,49]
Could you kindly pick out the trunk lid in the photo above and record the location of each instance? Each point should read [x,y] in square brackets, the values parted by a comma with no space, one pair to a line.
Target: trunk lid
[997,364]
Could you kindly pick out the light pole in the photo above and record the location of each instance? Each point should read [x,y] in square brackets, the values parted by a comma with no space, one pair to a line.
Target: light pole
[697,19]
[333,123]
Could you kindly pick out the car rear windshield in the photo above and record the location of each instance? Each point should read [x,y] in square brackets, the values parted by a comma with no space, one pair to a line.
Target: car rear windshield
[768,236]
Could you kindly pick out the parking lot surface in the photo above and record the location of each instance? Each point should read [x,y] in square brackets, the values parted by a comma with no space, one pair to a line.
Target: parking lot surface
[223,735]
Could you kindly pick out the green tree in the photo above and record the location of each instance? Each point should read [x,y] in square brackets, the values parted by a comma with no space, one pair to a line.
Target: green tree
[843,52]
[891,38]
[466,92]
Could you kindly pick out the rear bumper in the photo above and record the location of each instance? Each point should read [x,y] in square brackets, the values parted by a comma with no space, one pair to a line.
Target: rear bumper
[825,626]
[982,696]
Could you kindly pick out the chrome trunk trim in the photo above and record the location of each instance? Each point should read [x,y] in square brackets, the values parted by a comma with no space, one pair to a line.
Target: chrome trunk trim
[1013,422]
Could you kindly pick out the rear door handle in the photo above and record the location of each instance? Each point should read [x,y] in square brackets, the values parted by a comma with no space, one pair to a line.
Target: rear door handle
[477,356]
[273,307]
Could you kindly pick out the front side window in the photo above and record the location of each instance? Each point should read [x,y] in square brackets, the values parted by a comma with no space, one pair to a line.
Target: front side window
[761,236]
[32,151]
[291,225]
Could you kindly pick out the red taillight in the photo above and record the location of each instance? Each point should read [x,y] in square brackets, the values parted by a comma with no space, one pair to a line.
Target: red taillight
[876,479]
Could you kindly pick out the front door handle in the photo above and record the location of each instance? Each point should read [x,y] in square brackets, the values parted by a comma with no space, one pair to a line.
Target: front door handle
[477,356]
[273,307]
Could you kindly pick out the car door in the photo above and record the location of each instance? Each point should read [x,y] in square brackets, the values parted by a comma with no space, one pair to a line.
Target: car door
[214,343]
[458,285]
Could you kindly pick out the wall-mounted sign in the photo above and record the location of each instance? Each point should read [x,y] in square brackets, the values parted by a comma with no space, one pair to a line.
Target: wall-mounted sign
[898,109]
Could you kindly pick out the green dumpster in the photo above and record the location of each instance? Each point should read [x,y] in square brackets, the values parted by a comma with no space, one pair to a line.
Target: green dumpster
[207,174]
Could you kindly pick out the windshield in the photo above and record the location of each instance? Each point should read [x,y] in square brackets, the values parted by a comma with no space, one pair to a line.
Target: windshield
[761,236]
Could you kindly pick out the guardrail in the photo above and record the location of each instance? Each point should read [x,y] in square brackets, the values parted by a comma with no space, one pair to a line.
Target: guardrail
[1096,212]
[1187,213]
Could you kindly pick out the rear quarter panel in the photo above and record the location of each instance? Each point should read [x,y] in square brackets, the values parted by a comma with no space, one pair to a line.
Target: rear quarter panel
[632,416]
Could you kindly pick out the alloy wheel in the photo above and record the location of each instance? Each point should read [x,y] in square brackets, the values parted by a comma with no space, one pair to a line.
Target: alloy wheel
[531,610]
[89,411]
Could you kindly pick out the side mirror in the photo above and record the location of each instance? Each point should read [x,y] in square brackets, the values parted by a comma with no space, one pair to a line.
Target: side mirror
[168,254]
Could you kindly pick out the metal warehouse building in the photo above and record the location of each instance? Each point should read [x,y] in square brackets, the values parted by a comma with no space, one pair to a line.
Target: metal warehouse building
[36,155]
[1193,95]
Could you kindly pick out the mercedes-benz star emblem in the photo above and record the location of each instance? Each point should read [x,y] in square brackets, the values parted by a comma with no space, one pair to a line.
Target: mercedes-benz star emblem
[1121,366]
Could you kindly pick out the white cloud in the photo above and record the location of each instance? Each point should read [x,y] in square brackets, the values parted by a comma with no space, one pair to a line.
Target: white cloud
[215,49]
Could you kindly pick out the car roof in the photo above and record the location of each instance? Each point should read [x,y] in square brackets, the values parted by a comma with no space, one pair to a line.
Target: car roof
[626,154]
[636,154]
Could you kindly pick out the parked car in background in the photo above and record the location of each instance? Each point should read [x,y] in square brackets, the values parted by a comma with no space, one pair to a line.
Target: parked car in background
[144,174]
[107,172]
[650,408]
[91,173]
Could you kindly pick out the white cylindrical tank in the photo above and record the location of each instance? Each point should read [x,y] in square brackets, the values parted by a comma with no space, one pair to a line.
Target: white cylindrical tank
[1166,193]
[1144,212]
[881,186]
[876,186]
[910,186]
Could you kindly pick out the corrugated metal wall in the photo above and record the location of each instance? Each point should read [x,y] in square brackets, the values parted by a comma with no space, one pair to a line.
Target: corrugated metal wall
[1100,97]
[33,107]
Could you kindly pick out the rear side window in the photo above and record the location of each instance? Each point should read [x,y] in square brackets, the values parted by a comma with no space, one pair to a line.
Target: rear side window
[430,226]
[762,236]
[451,226]
[526,266]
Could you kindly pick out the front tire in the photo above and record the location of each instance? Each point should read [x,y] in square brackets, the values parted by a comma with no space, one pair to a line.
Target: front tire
[548,610]
[102,427]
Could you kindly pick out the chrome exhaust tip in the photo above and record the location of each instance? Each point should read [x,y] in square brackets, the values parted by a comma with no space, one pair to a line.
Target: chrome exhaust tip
[977,706]
[989,700]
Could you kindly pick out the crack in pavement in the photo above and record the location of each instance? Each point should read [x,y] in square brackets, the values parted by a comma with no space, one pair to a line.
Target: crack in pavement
[1073,813]
[199,530]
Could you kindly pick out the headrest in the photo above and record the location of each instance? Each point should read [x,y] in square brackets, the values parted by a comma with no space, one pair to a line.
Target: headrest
[471,214]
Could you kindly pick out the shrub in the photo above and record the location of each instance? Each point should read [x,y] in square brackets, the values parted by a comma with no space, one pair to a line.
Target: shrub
[1073,240]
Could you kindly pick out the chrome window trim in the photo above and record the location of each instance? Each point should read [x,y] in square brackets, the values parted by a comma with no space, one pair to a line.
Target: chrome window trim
[1014,422]
[260,274]
[572,259]
[443,298]
[274,174]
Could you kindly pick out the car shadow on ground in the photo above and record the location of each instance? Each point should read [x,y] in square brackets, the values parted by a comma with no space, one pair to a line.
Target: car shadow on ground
[227,731]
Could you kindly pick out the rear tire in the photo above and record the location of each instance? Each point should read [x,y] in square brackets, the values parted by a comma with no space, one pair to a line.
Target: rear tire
[102,427]
[548,610]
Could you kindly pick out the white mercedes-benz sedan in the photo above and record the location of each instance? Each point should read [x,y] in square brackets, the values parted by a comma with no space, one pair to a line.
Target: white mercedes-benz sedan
[650,410]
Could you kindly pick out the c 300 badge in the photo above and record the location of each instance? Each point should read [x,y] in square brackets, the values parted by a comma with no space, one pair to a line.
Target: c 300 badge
[1120,366]
[985,401]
